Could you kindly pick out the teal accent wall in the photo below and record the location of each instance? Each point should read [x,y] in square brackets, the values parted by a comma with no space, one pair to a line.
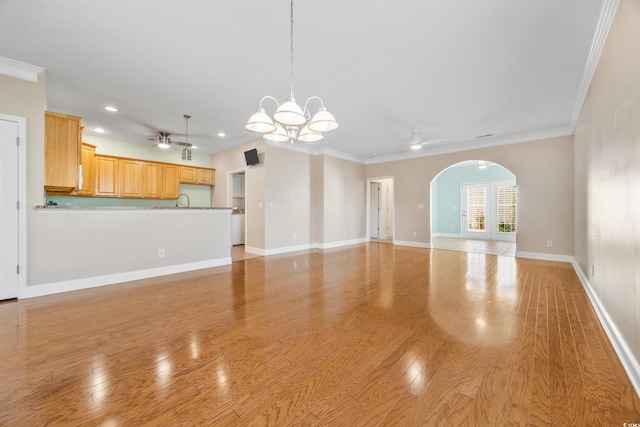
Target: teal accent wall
[445,193]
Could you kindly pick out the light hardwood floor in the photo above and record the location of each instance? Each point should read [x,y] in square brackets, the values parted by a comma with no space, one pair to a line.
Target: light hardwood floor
[371,334]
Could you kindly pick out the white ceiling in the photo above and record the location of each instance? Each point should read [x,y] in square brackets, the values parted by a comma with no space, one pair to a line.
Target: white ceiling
[453,69]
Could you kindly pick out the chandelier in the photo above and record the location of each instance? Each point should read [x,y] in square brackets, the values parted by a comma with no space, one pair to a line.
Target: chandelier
[290,122]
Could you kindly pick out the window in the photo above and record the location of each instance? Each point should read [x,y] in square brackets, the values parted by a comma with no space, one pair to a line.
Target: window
[507,209]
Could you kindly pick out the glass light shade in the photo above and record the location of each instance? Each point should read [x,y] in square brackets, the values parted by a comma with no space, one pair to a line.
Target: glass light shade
[278,135]
[163,145]
[307,135]
[416,146]
[323,121]
[290,114]
[260,122]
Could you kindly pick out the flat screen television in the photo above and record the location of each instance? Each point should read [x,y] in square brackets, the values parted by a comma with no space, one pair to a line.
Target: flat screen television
[251,157]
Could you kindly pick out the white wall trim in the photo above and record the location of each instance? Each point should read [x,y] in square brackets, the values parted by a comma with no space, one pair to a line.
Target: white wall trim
[332,245]
[544,257]
[455,235]
[287,249]
[619,344]
[111,279]
[19,70]
[474,144]
[605,21]
[412,244]
[253,250]
[22,198]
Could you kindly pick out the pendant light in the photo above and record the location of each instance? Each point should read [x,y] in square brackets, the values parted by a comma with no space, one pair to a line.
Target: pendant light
[290,122]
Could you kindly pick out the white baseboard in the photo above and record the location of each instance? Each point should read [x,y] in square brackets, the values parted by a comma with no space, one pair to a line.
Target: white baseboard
[544,257]
[457,236]
[111,279]
[332,245]
[287,249]
[625,355]
[412,244]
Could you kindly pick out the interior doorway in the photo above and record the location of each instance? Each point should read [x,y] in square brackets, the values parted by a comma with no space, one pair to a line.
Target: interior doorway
[474,208]
[12,215]
[236,196]
[380,208]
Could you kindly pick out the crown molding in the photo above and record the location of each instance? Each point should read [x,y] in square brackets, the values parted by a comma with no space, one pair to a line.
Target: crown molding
[475,144]
[605,21]
[19,70]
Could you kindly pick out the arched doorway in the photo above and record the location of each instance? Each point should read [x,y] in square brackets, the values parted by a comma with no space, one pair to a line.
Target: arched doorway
[474,208]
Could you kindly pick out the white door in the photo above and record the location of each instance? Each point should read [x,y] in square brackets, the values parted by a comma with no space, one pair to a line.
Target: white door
[8,210]
[476,212]
[374,210]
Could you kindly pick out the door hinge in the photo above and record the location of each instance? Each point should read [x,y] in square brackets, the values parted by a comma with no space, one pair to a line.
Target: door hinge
[18,141]
[18,205]
[18,269]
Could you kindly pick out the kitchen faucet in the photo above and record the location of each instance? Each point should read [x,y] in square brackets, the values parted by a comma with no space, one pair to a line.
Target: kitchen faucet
[188,205]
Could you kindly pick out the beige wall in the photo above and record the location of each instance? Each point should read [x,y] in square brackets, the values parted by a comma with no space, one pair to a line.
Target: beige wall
[544,174]
[344,205]
[607,177]
[287,198]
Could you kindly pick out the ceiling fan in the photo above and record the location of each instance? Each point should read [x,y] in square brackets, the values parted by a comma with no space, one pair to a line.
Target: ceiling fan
[163,139]
[415,143]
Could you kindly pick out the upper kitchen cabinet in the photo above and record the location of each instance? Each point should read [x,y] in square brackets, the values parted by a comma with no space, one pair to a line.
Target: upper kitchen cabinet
[106,176]
[187,175]
[62,140]
[87,157]
[205,176]
[197,175]
[131,178]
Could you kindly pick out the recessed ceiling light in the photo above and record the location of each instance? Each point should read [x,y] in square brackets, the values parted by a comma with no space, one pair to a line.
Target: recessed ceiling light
[222,134]
[110,108]
[99,130]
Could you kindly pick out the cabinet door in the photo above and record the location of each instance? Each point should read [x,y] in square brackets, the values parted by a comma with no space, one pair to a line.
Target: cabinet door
[106,177]
[204,176]
[152,180]
[61,151]
[170,181]
[131,180]
[87,154]
[187,175]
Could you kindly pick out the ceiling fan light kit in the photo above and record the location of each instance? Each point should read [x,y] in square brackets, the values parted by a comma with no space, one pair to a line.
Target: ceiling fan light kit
[290,122]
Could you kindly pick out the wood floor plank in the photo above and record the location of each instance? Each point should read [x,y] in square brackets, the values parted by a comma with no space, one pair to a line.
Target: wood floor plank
[369,334]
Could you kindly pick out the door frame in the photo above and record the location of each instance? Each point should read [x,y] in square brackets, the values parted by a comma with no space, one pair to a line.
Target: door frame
[374,202]
[22,199]
[487,233]
[230,175]
[491,214]
[368,206]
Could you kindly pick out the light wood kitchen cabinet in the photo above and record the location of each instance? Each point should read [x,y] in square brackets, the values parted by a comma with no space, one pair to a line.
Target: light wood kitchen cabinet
[170,181]
[86,186]
[205,176]
[131,178]
[106,176]
[62,139]
[188,175]
[152,180]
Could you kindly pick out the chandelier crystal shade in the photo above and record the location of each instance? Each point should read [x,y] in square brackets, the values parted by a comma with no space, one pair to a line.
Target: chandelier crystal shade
[291,122]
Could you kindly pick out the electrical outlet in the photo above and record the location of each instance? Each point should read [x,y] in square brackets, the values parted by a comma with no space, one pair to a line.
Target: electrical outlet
[295,236]
[160,253]
[415,234]
[549,243]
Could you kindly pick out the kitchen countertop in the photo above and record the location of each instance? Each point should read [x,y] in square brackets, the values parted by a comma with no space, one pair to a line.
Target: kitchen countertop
[125,208]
